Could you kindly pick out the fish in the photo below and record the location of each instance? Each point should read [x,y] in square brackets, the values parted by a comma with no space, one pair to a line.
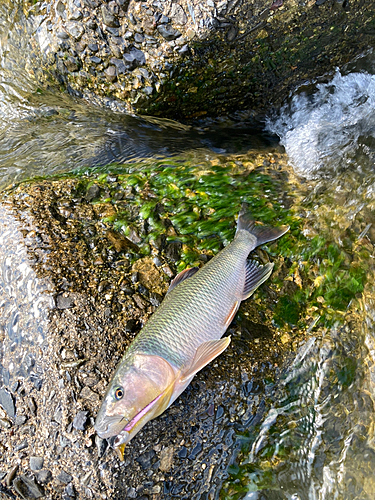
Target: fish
[184,334]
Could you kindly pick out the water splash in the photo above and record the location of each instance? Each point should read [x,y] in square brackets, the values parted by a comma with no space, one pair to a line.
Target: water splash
[325,130]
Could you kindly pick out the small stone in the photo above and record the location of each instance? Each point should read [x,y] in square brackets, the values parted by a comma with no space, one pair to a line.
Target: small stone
[173,251]
[64,477]
[5,424]
[11,475]
[178,14]
[27,488]
[101,445]
[21,446]
[148,90]
[32,406]
[109,19]
[93,47]
[69,492]
[44,476]
[20,419]
[88,394]
[80,420]
[92,192]
[139,38]
[62,35]
[7,403]
[63,302]
[285,338]
[145,459]
[75,30]
[120,65]
[163,20]
[168,32]
[76,15]
[139,57]
[95,60]
[71,64]
[166,458]
[36,463]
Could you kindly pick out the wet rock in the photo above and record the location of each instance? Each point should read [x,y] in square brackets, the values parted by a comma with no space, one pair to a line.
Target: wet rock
[69,492]
[11,475]
[64,477]
[168,32]
[27,488]
[7,403]
[36,463]
[71,64]
[101,445]
[88,394]
[80,420]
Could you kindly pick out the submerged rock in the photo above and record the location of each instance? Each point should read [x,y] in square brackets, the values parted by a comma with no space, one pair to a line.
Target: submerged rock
[201,57]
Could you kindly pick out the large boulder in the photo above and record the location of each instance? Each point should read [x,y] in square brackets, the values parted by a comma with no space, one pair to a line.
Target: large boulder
[187,59]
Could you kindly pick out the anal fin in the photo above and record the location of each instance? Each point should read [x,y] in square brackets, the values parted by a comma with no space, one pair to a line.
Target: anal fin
[231,315]
[206,352]
[255,276]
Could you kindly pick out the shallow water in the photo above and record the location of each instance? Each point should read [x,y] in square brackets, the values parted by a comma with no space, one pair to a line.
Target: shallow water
[314,438]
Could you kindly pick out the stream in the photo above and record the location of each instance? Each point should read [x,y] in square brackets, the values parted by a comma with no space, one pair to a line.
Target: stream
[289,414]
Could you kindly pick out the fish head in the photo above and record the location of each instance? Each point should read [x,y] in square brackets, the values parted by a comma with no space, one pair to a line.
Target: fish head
[139,391]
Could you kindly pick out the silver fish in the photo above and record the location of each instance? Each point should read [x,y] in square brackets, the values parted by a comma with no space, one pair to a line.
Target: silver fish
[184,334]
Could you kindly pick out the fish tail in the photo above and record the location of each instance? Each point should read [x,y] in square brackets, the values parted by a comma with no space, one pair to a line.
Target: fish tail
[263,234]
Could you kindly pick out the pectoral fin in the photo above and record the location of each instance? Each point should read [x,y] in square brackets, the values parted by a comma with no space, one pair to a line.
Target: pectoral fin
[205,354]
[255,276]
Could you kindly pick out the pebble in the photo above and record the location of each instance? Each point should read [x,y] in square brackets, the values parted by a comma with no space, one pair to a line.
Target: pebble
[36,463]
[44,476]
[92,192]
[64,477]
[7,403]
[5,424]
[27,488]
[145,459]
[11,475]
[101,445]
[166,458]
[63,302]
[168,32]
[80,420]
[21,446]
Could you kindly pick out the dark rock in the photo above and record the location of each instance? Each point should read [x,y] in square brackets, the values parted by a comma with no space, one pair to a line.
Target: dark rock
[27,488]
[124,4]
[183,452]
[63,302]
[21,446]
[91,24]
[145,459]
[64,477]
[196,450]
[168,32]
[109,19]
[173,251]
[36,463]
[163,20]
[320,2]
[44,476]
[131,325]
[38,382]
[80,420]
[95,60]
[7,403]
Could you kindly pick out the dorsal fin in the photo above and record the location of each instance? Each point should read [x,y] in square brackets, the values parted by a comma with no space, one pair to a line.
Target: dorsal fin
[182,276]
[205,353]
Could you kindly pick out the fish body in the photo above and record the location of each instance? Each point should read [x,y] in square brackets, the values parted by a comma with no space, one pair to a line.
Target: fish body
[183,335]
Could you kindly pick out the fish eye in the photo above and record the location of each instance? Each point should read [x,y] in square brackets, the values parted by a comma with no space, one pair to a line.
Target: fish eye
[119,393]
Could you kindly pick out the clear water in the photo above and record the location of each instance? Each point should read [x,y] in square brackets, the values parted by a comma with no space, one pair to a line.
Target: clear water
[316,439]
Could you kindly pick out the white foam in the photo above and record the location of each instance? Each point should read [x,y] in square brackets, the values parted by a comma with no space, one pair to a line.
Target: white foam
[325,129]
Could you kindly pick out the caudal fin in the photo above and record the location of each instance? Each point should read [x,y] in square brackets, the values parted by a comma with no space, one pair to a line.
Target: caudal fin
[263,234]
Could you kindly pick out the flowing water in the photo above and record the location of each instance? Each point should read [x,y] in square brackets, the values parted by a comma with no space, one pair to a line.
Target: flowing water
[314,438]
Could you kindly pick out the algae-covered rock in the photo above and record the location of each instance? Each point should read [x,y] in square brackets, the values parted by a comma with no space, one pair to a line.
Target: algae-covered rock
[187,59]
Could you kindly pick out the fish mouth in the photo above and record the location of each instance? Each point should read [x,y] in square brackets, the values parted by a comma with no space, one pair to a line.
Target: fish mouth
[132,428]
